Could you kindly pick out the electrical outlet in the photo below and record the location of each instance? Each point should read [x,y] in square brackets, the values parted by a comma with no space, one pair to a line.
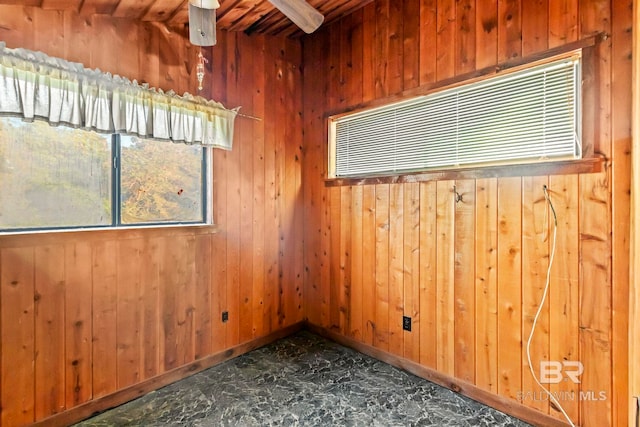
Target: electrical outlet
[225,316]
[406,323]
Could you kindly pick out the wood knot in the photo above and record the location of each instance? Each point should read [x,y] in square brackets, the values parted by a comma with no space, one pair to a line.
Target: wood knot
[489,25]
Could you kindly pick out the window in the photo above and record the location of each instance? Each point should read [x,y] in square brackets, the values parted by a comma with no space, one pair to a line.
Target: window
[524,116]
[59,177]
[161,182]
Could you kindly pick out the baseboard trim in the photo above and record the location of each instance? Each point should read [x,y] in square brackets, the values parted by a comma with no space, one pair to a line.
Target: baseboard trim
[500,403]
[104,403]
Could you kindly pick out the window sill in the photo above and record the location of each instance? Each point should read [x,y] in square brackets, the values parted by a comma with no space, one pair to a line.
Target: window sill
[107,233]
[567,167]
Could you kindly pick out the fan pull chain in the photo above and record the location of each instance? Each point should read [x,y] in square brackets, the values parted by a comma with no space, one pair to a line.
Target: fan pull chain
[200,69]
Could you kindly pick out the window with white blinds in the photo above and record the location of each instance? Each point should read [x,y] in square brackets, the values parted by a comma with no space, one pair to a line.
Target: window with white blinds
[525,116]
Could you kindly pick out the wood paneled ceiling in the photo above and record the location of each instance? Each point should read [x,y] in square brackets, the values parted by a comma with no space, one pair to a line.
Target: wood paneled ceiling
[251,16]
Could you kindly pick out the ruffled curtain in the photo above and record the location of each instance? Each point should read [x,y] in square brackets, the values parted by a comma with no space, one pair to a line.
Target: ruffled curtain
[36,86]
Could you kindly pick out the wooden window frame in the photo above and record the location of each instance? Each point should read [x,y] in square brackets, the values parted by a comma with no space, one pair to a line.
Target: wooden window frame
[592,160]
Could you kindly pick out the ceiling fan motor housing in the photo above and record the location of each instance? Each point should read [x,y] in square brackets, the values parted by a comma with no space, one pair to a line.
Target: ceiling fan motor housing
[205,4]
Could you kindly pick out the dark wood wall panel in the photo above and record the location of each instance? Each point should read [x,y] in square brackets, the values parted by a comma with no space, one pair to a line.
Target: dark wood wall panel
[471,274]
[85,314]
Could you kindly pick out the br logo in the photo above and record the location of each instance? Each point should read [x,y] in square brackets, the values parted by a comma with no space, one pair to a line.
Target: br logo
[553,372]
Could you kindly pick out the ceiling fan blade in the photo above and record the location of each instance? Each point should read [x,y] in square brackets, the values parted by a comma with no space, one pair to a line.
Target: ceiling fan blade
[301,13]
[202,26]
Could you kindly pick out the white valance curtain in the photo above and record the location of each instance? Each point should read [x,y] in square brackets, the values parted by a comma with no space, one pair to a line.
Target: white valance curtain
[34,85]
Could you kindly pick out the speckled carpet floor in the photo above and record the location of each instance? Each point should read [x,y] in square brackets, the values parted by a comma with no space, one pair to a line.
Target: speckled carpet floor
[303,380]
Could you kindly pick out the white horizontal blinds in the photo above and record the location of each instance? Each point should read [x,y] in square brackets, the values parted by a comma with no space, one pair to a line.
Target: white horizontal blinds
[527,115]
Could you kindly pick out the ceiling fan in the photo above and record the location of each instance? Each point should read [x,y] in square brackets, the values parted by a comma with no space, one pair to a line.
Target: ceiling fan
[202,18]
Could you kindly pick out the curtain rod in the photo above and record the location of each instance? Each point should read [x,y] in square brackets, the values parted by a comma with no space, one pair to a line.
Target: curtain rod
[247,116]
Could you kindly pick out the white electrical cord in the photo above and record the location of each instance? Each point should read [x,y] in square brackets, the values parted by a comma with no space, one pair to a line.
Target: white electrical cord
[544,297]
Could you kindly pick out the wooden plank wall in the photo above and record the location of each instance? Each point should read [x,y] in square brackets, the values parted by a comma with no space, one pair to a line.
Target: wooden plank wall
[634,294]
[471,274]
[88,313]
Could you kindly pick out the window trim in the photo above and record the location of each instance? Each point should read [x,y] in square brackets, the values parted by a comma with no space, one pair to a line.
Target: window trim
[590,162]
[559,167]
